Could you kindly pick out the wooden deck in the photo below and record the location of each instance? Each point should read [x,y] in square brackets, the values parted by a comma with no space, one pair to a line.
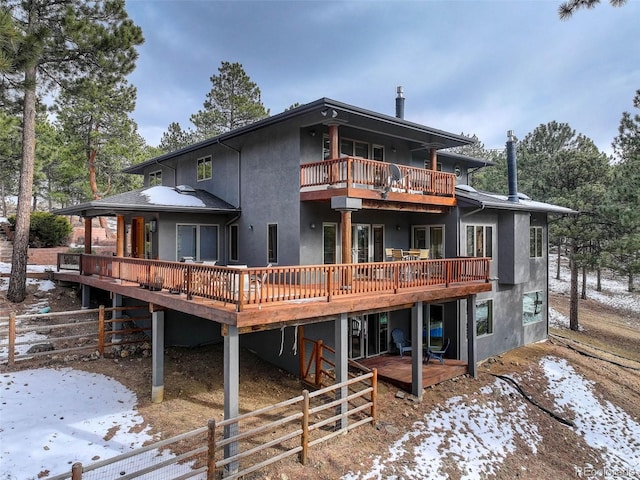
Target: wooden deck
[269,297]
[397,371]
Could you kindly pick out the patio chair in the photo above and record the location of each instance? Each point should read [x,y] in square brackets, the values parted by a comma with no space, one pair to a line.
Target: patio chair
[401,342]
[256,282]
[424,254]
[437,354]
[397,255]
[388,252]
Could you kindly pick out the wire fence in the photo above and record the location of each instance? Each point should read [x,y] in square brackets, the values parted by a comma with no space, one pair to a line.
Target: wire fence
[250,442]
[24,337]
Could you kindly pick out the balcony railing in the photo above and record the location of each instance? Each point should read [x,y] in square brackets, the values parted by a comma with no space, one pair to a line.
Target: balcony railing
[269,285]
[355,172]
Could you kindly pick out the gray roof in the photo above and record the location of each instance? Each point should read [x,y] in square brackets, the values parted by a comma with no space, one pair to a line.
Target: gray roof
[468,196]
[152,199]
[321,112]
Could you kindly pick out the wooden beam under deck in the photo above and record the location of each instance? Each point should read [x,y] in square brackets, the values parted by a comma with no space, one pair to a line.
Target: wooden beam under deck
[393,199]
[277,314]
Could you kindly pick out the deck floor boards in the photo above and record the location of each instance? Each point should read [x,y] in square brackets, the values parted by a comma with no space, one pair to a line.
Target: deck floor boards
[397,371]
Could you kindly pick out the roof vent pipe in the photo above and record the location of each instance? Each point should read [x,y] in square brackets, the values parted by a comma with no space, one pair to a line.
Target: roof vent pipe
[400,102]
[512,167]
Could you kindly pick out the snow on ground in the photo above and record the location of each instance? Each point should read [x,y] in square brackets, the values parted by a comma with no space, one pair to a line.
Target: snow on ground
[486,431]
[614,289]
[485,435]
[603,425]
[52,418]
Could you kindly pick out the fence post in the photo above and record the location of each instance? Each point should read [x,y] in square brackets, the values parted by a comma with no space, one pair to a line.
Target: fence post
[211,449]
[374,396]
[304,438]
[101,331]
[76,471]
[12,338]
[318,352]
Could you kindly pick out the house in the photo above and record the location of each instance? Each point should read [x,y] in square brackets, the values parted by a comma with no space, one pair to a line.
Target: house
[300,212]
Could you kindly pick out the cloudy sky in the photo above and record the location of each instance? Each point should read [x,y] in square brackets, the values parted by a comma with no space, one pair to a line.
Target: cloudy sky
[475,67]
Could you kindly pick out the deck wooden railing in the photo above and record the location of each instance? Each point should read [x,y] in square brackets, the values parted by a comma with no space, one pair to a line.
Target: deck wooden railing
[359,172]
[299,283]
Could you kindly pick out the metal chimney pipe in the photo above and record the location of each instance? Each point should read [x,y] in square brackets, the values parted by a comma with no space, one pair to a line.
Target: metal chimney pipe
[512,167]
[400,102]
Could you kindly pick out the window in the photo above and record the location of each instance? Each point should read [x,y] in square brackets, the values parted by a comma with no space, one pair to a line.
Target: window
[155,178]
[378,153]
[484,317]
[233,242]
[205,169]
[199,242]
[329,243]
[532,304]
[535,242]
[479,241]
[272,242]
[431,237]
[353,148]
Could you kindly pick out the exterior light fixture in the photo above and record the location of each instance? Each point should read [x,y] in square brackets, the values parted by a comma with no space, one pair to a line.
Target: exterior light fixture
[153,226]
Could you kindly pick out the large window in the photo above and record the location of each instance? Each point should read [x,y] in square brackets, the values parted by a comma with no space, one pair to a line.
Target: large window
[354,148]
[532,304]
[430,237]
[155,178]
[484,317]
[200,242]
[479,241]
[535,242]
[272,242]
[205,168]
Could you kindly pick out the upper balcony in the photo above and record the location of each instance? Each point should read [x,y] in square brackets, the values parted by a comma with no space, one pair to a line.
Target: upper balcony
[379,185]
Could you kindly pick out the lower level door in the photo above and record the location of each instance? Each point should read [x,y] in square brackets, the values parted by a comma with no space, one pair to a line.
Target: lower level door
[369,335]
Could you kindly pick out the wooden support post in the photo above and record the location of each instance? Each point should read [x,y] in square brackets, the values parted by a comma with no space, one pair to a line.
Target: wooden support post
[101,331]
[120,235]
[211,450]
[12,338]
[471,337]
[334,144]
[345,218]
[87,235]
[434,159]
[341,330]
[304,438]
[231,392]
[416,353]
[157,356]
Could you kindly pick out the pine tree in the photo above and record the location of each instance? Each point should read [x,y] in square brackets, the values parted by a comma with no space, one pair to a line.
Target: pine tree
[625,197]
[67,39]
[233,102]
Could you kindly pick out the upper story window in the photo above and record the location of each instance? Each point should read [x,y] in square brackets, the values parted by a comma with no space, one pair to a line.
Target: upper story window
[535,242]
[155,178]
[205,168]
[479,241]
[353,148]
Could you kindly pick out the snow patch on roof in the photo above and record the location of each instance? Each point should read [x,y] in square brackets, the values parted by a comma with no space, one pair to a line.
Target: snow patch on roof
[160,195]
